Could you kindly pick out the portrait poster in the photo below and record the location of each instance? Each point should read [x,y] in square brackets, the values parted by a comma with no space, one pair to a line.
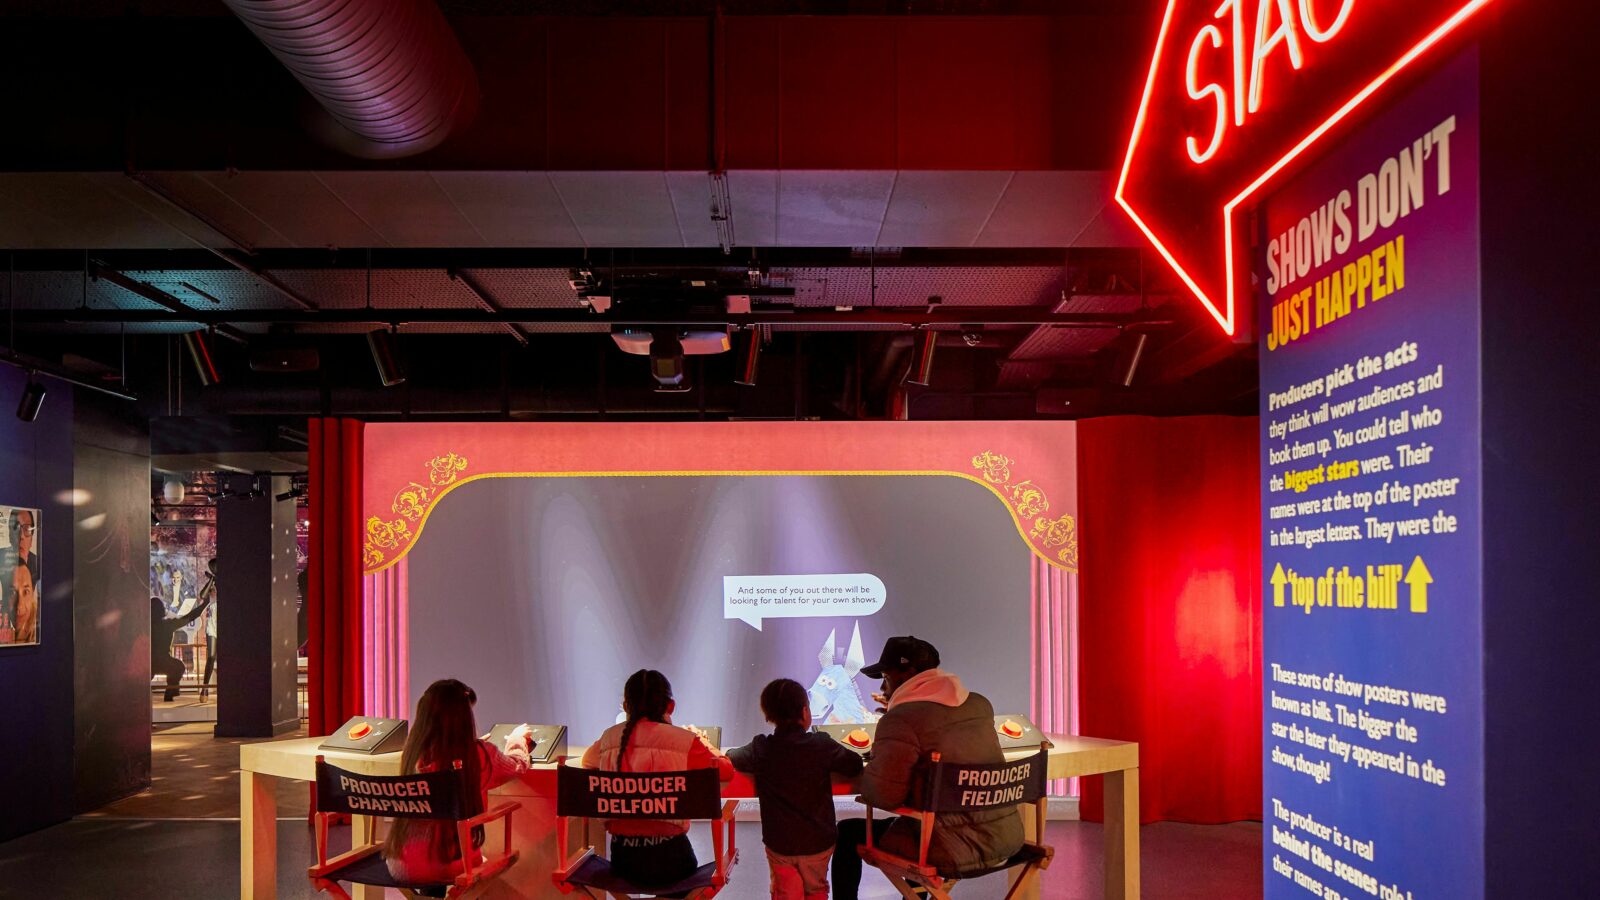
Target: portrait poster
[19,577]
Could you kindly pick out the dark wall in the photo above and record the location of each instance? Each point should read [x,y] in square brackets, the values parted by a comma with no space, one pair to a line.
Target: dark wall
[606,92]
[1541,424]
[36,681]
[111,612]
[256,595]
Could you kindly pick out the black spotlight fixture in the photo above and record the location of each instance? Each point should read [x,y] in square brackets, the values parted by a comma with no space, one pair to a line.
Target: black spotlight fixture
[666,361]
[32,399]
[390,370]
[1129,356]
[750,362]
[198,344]
[922,359]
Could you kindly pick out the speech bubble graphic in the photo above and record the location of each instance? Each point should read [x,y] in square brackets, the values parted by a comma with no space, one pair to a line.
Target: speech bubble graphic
[752,598]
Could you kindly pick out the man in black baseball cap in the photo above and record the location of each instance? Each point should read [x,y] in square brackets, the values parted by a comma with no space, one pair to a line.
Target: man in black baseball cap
[903,653]
[928,711]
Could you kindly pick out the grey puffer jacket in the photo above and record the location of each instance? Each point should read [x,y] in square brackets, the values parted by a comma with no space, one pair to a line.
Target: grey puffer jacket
[933,712]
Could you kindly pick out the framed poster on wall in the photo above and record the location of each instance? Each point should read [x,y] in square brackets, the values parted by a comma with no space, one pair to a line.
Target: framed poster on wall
[19,576]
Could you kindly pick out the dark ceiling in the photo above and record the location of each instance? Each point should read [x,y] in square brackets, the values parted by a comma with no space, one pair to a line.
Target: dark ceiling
[950,175]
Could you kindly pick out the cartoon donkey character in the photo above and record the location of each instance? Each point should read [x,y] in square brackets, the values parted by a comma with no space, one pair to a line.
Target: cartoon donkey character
[835,698]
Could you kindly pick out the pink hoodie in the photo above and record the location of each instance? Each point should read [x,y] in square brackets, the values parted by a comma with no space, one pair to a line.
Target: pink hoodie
[931,686]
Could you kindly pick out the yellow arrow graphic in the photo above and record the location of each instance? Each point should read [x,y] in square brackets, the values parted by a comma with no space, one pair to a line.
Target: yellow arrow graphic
[1419,578]
[1278,581]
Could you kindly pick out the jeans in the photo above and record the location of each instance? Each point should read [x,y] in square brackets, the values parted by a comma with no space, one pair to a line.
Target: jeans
[847,860]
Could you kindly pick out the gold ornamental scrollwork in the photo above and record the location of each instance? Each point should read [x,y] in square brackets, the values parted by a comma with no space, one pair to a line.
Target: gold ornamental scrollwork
[1056,537]
[996,469]
[386,536]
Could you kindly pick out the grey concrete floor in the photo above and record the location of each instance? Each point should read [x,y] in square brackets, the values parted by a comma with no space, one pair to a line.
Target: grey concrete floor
[135,859]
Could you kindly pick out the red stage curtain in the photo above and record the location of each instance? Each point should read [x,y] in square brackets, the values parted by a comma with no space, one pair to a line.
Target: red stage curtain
[1170,609]
[334,599]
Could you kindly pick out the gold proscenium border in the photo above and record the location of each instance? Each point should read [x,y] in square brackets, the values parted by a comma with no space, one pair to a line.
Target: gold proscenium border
[993,489]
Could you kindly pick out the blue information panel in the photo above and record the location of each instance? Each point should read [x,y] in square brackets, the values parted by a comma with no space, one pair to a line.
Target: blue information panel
[1368,289]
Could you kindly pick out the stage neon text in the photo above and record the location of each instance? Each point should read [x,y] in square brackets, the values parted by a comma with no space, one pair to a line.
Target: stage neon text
[1277,27]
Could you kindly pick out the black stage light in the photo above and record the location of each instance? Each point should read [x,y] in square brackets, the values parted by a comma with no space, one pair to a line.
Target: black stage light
[1132,353]
[199,345]
[751,361]
[666,361]
[922,363]
[32,399]
[390,370]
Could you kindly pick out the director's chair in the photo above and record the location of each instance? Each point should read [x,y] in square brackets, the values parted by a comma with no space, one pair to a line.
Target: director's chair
[967,787]
[341,793]
[577,797]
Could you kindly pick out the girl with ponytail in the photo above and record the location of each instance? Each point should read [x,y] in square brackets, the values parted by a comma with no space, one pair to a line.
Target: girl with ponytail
[651,851]
[443,731]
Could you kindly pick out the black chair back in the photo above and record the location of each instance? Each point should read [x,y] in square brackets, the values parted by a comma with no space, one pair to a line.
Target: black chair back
[598,794]
[426,795]
[974,787]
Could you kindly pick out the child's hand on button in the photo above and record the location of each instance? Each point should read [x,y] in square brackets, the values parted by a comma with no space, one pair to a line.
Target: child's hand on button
[520,736]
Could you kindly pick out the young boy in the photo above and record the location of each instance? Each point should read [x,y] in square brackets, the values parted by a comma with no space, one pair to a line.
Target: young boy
[791,767]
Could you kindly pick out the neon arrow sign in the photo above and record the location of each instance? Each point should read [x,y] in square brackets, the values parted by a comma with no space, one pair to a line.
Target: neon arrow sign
[1236,93]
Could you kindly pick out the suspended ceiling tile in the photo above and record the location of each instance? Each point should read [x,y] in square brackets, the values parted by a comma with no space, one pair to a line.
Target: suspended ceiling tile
[1101,303]
[755,207]
[823,287]
[329,288]
[832,208]
[212,289]
[852,326]
[53,210]
[691,201]
[387,288]
[1111,228]
[912,286]
[187,201]
[941,209]
[1060,342]
[511,209]
[68,290]
[406,209]
[451,328]
[566,328]
[620,209]
[297,208]
[528,288]
[193,231]
[420,289]
[1046,209]
[1022,375]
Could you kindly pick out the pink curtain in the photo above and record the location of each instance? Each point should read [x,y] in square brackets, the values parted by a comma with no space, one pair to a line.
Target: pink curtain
[386,660]
[1053,621]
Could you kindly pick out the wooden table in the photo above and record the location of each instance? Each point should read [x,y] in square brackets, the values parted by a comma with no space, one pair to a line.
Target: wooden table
[260,765]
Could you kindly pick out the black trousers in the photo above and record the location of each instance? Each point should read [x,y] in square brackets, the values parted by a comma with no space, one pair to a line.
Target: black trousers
[847,859]
[211,662]
[653,860]
[173,668]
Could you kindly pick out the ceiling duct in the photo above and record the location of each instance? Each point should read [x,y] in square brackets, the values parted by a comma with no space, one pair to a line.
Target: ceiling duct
[390,73]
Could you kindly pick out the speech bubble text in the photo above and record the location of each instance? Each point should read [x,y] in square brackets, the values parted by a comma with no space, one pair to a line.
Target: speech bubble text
[752,598]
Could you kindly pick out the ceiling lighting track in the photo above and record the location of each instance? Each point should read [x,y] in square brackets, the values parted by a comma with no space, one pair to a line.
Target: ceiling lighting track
[40,367]
[160,192]
[488,302]
[155,295]
[907,317]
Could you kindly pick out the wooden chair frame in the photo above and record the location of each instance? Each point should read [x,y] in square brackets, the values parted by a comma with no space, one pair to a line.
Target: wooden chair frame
[907,874]
[724,843]
[470,877]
